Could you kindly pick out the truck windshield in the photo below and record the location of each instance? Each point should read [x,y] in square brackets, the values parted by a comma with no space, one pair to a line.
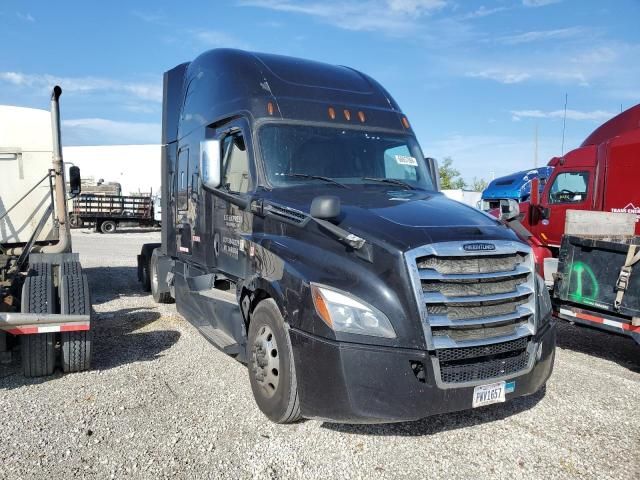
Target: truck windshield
[296,154]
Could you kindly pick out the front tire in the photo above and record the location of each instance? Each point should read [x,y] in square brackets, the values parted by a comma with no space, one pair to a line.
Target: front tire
[108,226]
[271,367]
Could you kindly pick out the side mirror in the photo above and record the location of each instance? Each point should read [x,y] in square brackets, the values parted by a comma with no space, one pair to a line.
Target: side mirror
[434,169]
[509,209]
[210,168]
[75,182]
[325,207]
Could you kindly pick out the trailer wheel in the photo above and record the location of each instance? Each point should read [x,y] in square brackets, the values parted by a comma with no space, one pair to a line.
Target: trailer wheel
[75,300]
[38,350]
[159,297]
[272,371]
[108,226]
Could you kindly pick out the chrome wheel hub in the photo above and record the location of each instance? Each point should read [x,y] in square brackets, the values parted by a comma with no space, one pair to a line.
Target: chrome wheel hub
[265,361]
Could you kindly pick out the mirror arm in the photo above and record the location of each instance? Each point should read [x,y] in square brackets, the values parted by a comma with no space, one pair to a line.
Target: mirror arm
[342,235]
[243,203]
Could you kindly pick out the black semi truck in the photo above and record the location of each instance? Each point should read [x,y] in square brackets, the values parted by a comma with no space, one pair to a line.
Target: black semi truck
[303,233]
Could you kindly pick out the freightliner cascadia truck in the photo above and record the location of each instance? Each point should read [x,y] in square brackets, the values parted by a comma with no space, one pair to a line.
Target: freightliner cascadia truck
[303,233]
[45,306]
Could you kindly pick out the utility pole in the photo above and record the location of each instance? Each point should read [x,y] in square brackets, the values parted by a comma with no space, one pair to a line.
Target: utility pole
[564,122]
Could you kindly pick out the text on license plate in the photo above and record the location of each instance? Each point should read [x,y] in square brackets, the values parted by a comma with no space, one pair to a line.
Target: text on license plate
[488,394]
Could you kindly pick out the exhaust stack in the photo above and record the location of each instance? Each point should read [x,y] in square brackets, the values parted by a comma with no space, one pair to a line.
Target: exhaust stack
[64,240]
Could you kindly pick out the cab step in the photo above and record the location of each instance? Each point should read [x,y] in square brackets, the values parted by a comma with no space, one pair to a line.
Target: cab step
[220,339]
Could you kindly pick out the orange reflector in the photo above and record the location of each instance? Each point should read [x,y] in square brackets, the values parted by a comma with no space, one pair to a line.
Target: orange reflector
[270,108]
[332,113]
[544,237]
[405,122]
[321,306]
[347,115]
[362,117]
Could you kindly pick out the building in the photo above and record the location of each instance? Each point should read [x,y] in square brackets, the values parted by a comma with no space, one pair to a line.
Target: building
[135,167]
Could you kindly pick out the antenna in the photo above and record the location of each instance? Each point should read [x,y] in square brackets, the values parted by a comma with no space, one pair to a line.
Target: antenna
[564,122]
[535,151]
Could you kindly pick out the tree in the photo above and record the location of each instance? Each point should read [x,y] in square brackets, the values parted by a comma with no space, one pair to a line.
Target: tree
[479,184]
[450,178]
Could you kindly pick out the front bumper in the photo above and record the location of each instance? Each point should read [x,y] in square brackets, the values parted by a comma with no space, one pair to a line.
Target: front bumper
[353,383]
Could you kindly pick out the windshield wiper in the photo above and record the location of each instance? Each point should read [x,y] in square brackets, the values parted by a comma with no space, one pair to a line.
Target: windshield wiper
[317,177]
[392,181]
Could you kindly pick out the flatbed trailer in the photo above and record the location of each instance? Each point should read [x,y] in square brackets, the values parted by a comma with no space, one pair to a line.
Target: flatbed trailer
[107,212]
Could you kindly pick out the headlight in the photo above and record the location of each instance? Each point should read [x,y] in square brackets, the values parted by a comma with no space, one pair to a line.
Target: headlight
[543,301]
[344,313]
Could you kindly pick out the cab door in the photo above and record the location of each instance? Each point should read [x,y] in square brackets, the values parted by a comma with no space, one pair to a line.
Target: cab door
[232,221]
[570,189]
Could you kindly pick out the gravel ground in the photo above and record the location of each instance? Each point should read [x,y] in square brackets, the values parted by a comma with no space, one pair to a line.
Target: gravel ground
[163,402]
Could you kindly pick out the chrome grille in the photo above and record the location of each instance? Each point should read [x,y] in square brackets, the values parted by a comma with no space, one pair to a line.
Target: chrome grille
[475,299]
[470,263]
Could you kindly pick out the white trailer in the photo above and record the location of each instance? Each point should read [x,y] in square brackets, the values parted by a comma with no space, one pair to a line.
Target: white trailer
[44,294]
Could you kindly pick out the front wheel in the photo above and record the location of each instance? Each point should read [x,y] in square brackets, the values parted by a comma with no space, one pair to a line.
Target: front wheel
[271,368]
[108,226]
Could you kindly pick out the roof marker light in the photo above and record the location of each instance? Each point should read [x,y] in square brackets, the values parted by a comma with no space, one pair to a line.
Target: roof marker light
[362,117]
[405,122]
[332,113]
[270,108]
[347,114]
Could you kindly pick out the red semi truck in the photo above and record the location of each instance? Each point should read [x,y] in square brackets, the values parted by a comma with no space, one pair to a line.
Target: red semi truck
[600,175]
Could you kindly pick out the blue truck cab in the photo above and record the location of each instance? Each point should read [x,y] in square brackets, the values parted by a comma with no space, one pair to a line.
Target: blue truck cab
[516,186]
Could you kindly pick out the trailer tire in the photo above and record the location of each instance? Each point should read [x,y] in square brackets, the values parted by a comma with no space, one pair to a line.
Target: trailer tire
[154,280]
[40,269]
[270,361]
[75,300]
[38,350]
[70,268]
[108,226]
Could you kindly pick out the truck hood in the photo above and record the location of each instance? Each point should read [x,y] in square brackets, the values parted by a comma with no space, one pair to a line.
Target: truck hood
[402,219]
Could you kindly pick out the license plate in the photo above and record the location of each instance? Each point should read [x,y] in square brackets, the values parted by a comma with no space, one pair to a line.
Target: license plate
[488,394]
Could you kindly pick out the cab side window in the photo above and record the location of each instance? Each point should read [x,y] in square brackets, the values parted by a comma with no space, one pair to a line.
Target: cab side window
[235,164]
[569,187]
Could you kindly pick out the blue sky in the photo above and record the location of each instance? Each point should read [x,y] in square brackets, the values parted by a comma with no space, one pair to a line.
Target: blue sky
[474,78]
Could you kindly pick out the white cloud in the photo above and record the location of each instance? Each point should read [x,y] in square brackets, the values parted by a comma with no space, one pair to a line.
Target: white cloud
[502,76]
[540,35]
[27,17]
[218,39]
[100,131]
[599,115]
[44,82]
[414,7]
[157,17]
[397,17]
[490,156]
[539,3]
[483,11]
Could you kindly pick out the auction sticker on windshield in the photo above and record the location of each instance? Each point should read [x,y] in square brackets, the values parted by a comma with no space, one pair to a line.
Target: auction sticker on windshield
[488,394]
[406,160]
